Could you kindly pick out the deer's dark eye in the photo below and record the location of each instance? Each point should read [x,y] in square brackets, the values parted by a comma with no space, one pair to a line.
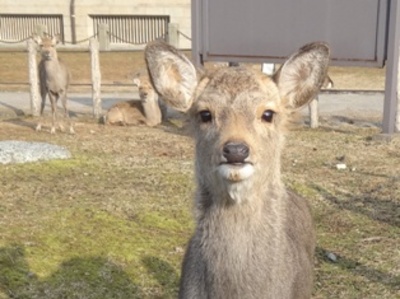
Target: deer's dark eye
[205,116]
[268,115]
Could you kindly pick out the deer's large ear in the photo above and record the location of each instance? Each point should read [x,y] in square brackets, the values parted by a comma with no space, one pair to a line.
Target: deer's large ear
[173,75]
[300,78]
[55,40]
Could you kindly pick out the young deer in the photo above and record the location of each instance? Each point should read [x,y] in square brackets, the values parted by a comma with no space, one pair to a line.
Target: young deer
[144,112]
[54,80]
[253,239]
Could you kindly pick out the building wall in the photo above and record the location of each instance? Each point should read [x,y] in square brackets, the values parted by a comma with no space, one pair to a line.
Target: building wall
[178,10]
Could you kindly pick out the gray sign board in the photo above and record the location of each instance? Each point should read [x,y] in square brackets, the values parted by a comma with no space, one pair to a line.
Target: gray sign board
[269,30]
[359,33]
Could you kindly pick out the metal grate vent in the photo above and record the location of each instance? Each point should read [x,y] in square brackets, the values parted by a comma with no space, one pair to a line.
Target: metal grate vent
[135,29]
[14,27]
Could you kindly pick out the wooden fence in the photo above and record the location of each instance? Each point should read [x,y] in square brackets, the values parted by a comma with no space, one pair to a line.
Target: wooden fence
[96,44]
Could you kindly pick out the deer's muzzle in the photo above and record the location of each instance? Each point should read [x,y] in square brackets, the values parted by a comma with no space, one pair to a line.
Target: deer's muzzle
[235,152]
[235,165]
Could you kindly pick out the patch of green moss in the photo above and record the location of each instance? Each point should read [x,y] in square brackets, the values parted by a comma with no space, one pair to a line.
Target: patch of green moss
[302,189]
[173,222]
[46,168]
[89,249]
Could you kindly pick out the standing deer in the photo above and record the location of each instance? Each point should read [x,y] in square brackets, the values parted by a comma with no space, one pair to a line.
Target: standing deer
[147,111]
[253,238]
[54,80]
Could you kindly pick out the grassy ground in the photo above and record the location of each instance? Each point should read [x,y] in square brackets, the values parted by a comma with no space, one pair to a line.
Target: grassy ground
[113,221]
[110,223]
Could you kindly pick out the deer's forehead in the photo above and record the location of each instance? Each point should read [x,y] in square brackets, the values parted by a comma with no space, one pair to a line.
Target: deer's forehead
[145,84]
[47,43]
[238,85]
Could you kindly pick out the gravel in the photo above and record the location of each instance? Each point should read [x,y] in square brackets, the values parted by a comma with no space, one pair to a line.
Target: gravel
[12,151]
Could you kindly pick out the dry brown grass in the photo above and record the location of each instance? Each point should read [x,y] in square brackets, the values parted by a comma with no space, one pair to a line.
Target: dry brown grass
[112,222]
[122,204]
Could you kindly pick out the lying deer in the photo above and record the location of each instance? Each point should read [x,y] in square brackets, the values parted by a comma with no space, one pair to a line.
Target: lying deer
[144,112]
[253,238]
[54,80]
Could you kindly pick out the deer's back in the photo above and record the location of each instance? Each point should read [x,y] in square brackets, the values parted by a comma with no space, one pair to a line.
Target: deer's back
[126,113]
[251,255]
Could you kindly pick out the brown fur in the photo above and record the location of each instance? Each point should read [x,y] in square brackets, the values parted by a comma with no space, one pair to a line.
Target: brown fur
[54,80]
[128,113]
[253,238]
[147,111]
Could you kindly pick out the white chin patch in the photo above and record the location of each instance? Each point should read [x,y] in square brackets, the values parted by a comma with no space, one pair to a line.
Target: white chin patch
[237,191]
[235,173]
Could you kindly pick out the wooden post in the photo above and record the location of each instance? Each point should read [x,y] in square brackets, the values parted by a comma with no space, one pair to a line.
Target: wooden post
[33,77]
[104,39]
[96,77]
[173,34]
[313,110]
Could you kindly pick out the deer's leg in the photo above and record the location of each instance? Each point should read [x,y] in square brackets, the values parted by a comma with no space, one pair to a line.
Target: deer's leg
[64,101]
[53,102]
[43,94]
[164,109]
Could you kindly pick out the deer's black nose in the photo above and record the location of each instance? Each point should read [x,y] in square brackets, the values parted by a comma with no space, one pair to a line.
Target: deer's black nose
[235,152]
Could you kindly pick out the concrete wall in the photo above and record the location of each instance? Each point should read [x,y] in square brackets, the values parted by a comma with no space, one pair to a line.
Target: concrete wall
[178,10]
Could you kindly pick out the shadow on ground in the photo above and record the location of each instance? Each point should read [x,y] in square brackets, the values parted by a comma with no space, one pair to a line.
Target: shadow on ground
[373,275]
[89,277]
[372,203]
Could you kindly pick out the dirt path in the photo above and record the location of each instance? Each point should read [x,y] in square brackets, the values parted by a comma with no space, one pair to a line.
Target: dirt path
[356,106]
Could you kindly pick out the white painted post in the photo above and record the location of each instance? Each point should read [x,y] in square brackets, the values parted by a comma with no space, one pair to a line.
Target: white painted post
[173,34]
[313,111]
[268,68]
[96,77]
[33,77]
[104,39]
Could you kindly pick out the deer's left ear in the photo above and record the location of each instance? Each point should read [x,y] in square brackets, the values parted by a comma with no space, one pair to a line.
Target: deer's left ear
[55,39]
[300,78]
[37,39]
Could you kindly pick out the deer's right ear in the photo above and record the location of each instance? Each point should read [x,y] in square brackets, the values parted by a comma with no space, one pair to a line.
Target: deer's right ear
[173,75]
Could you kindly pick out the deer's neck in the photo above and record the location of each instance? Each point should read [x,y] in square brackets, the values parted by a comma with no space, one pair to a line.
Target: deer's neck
[152,110]
[52,66]
[252,203]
